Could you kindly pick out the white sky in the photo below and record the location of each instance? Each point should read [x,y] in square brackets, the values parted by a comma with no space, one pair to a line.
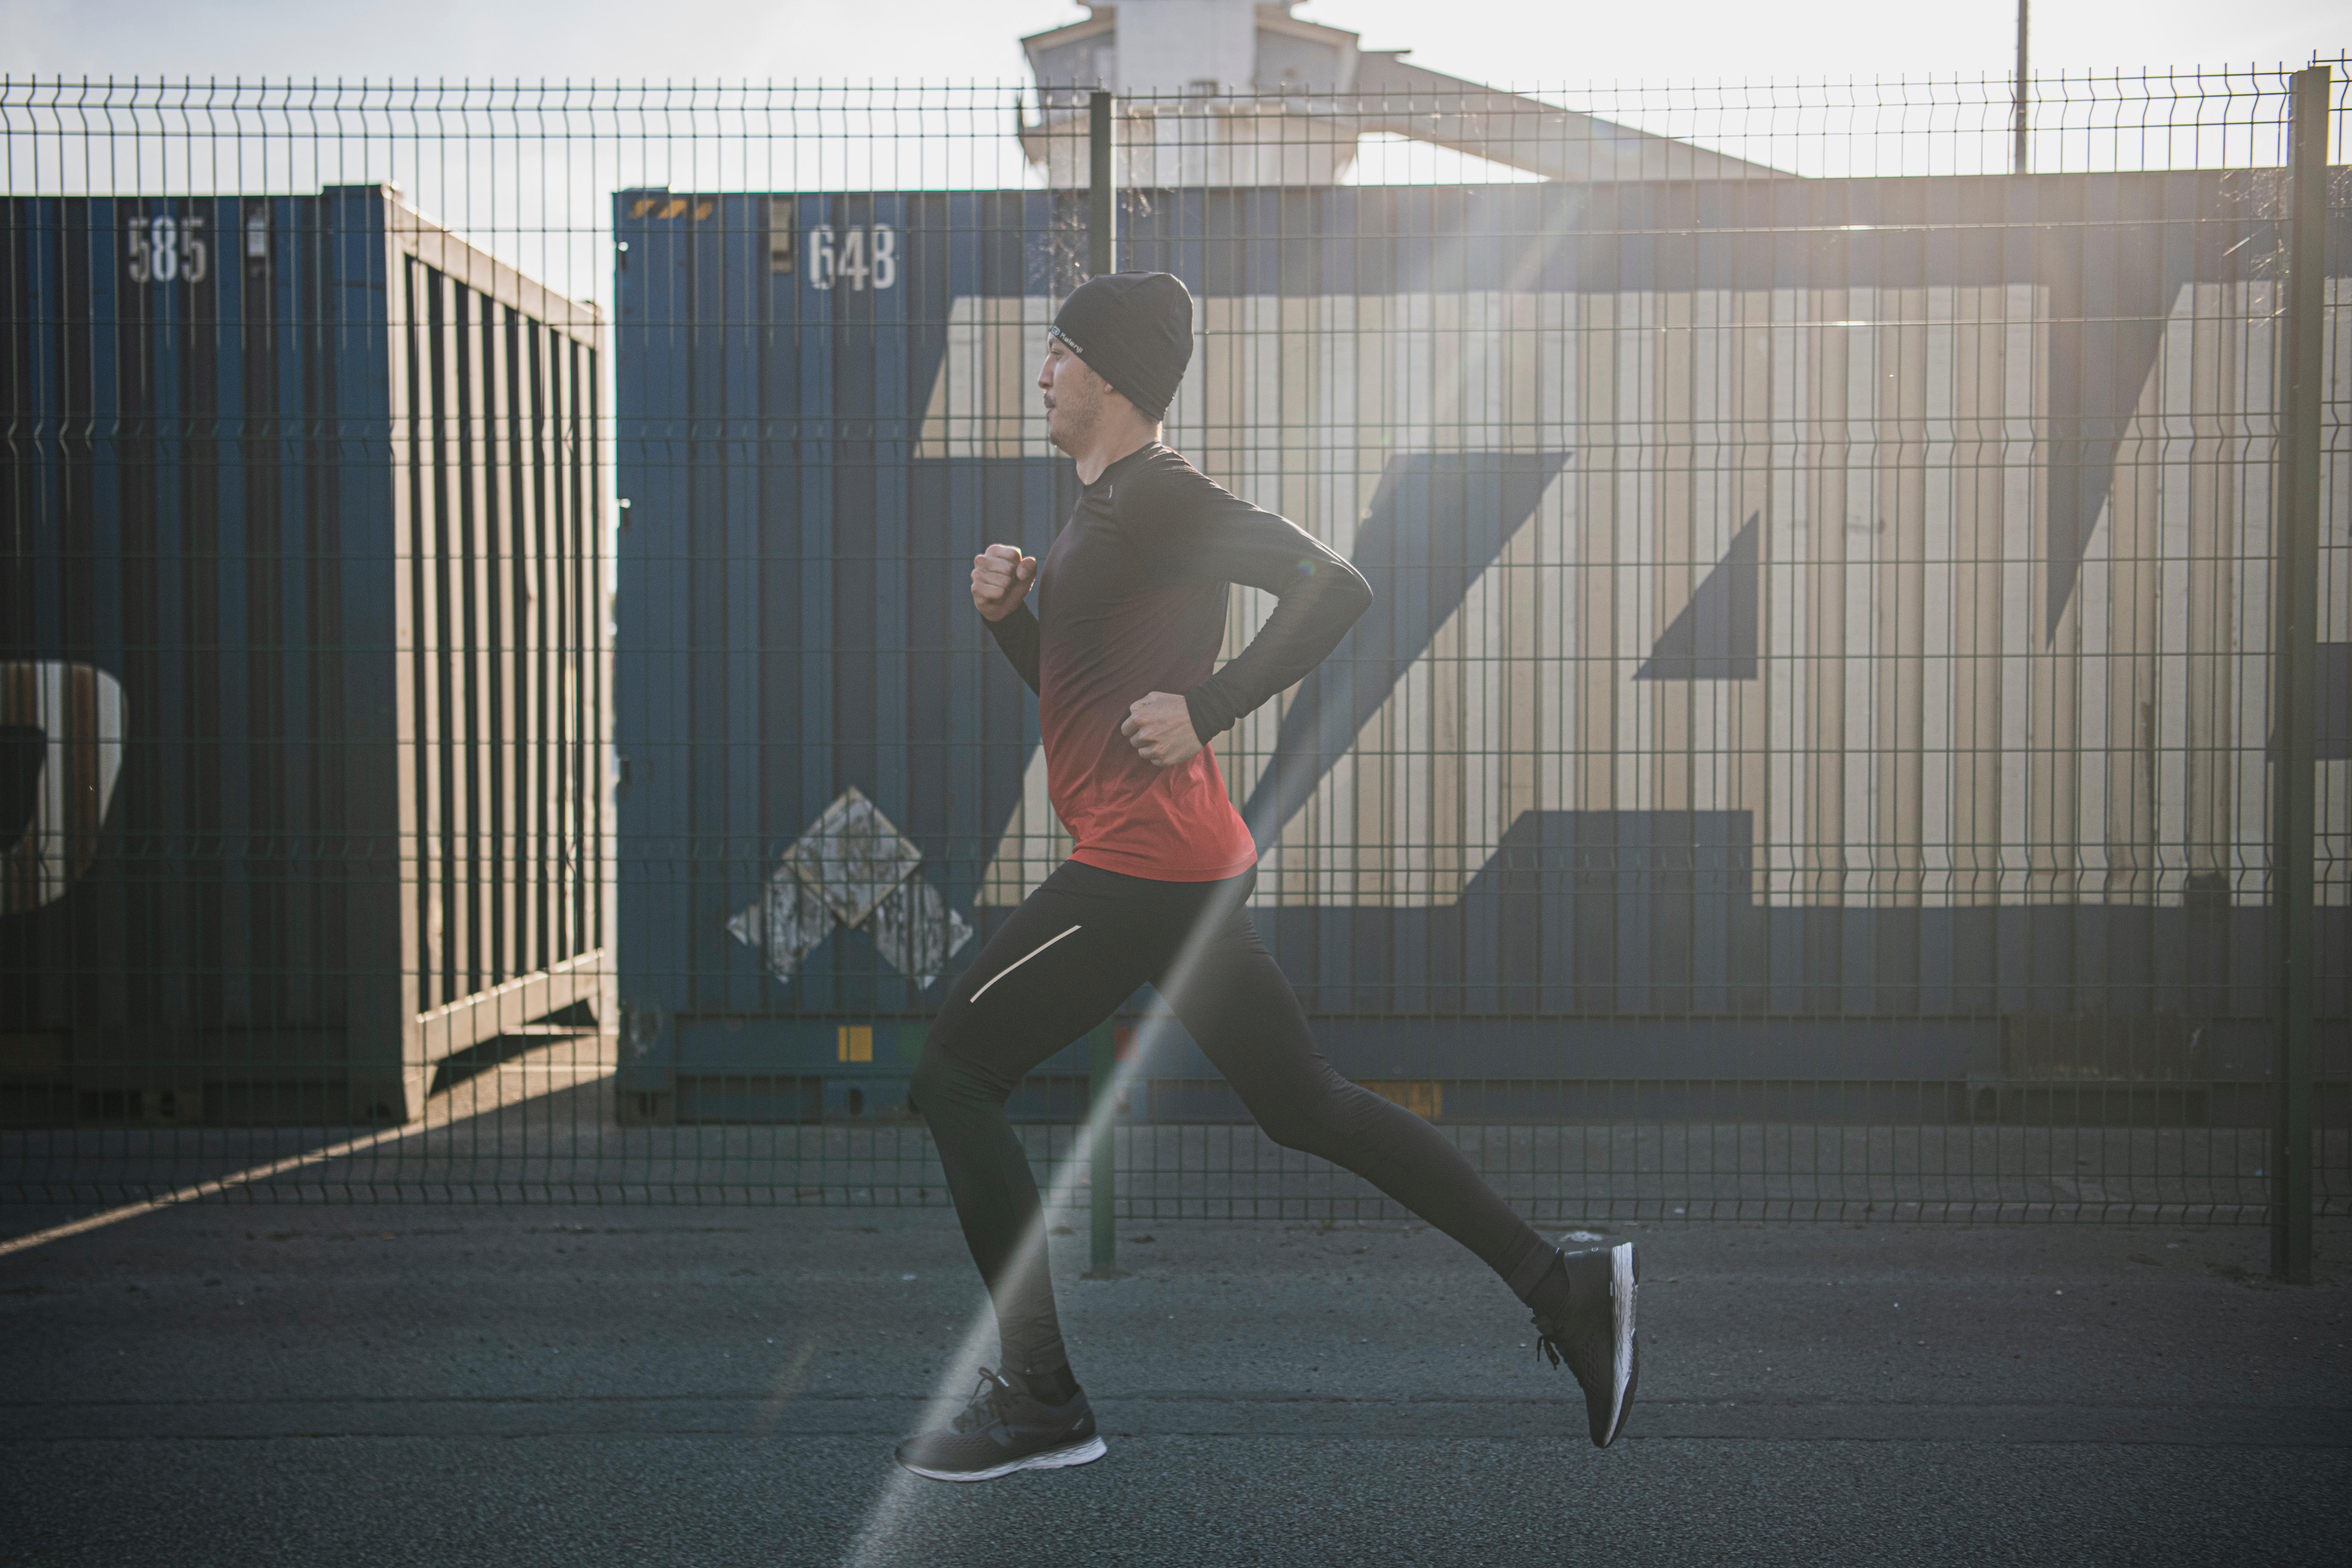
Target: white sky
[1523,43]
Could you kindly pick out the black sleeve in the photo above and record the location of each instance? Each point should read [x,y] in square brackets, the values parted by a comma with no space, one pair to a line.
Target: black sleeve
[1016,634]
[1199,527]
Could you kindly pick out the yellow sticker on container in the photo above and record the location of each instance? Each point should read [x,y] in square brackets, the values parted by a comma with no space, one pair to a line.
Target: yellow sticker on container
[855,1042]
[1421,1097]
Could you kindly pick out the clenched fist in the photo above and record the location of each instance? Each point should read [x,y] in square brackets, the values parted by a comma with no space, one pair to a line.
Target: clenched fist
[1159,727]
[1001,576]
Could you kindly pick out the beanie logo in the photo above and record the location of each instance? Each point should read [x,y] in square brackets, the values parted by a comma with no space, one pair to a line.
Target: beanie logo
[1075,347]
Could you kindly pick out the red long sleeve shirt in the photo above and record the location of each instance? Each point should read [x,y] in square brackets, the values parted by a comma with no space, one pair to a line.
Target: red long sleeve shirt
[1131,600]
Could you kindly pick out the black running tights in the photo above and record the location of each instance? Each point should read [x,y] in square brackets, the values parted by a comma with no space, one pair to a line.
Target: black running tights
[1076,949]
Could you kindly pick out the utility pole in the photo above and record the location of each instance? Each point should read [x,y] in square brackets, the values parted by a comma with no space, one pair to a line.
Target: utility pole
[2017,159]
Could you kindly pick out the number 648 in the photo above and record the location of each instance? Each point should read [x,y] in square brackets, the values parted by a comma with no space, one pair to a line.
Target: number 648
[862,256]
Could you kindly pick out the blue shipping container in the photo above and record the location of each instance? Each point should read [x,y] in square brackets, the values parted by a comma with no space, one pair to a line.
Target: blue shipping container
[1807,648]
[302,658]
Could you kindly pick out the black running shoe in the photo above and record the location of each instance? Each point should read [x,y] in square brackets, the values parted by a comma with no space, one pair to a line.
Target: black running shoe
[1593,1333]
[1003,1430]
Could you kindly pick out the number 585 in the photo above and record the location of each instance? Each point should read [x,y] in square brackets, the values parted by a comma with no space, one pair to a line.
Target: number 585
[164,249]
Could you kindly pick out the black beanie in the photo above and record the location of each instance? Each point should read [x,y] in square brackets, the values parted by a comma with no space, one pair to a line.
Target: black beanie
[1135,331]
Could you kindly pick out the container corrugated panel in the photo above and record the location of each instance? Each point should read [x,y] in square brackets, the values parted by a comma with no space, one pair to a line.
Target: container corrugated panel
[302,658]
[1820,627]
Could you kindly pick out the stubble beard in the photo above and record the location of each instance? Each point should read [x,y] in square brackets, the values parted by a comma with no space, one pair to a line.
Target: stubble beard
[1070,422]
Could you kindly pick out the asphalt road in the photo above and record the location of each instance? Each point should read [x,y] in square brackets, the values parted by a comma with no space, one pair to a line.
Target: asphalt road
[528,1385]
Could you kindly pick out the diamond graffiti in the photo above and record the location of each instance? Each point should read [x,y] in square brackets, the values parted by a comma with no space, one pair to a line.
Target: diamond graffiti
[852,868]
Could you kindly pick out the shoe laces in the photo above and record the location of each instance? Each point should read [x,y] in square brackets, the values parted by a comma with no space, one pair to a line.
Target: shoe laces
[986,1407]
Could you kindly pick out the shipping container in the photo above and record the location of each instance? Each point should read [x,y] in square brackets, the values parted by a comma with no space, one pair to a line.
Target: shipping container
[302,659]
[1821,637]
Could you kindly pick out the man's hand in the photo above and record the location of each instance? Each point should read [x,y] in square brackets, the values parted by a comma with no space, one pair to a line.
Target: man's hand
[1001,576]
[1160,728]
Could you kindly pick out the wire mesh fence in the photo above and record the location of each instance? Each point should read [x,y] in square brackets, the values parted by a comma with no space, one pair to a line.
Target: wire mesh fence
[492,713]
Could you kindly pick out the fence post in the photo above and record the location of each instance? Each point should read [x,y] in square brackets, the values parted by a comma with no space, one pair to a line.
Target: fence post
[1102,242]
[1103,1124]
[1102,198]
[2296,594]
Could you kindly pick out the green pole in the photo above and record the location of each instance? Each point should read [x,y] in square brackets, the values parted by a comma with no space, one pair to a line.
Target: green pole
[1102,1124]
[1102,256]
[2294,590]
[1102,197]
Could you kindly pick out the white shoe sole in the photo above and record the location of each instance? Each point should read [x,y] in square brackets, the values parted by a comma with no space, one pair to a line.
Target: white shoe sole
[1085,1453]
[1624,1281]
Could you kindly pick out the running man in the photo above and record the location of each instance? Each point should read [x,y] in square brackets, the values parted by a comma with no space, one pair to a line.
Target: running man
[1121,653]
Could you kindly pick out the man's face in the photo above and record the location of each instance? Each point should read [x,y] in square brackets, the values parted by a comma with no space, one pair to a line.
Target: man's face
[1074,396]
